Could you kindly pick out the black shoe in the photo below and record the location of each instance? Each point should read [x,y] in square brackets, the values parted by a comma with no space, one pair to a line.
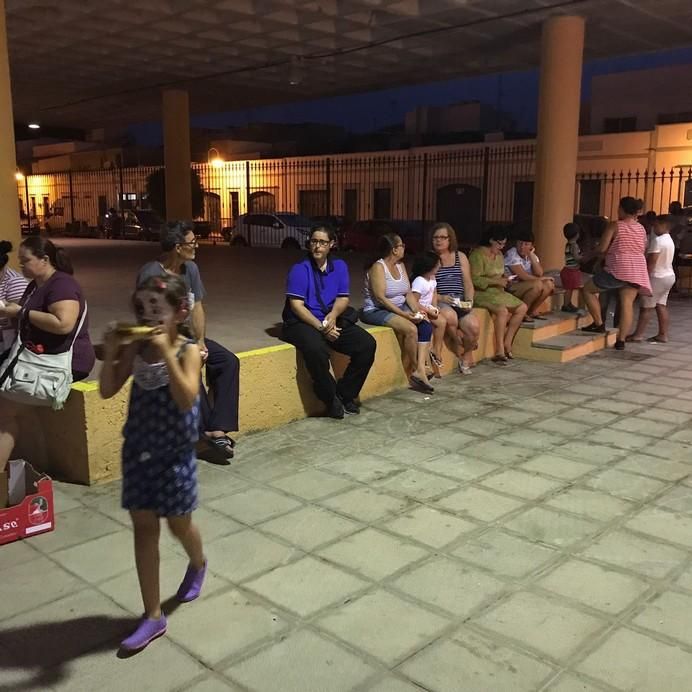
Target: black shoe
[217,450]
[619,345]
[351,408]
[336,409]
[570,308]
[595,328]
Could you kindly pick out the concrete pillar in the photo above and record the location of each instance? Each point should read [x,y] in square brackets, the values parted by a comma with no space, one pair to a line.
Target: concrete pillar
[10,228]
[176,154]
[562,48]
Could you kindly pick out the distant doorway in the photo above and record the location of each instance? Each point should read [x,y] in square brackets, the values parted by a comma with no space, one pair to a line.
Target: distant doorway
[261,202]
[460,206]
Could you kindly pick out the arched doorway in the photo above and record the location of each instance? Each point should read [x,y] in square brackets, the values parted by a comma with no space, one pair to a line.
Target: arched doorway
[261,202]
[460,205]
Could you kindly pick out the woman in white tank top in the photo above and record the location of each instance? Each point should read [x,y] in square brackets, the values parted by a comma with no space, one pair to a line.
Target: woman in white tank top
[384,304]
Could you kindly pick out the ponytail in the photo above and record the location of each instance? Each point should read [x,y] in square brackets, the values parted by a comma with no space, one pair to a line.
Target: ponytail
[42,248]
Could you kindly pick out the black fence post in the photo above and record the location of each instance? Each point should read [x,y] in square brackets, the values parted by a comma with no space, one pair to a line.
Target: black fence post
[328,184]
[424,198]
[247,187]
[484,184]
[69,178]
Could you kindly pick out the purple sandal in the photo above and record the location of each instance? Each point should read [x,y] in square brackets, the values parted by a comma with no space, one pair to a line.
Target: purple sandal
[146,632]
[191,585]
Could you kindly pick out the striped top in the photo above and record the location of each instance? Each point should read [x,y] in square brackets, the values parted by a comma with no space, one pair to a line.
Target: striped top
[12,287]
[626,258]
[571,253]
[450,280]
[395,289]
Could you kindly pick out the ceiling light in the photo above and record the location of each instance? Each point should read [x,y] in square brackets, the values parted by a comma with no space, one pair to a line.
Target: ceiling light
[34,126]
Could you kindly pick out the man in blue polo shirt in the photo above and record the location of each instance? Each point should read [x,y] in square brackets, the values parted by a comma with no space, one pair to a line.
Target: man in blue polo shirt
[317,317]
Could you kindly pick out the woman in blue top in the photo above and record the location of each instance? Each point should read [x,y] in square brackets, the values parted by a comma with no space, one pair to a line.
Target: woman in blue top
[316,318]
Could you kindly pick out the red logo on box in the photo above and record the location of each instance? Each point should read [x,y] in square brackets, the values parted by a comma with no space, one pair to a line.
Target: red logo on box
[38,510]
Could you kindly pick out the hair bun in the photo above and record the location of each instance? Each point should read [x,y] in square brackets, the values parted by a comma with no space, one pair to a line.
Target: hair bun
[5,247]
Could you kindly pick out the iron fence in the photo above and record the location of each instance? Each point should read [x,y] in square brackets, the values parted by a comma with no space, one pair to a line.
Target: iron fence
[466,187]
[469,187]
[599,193]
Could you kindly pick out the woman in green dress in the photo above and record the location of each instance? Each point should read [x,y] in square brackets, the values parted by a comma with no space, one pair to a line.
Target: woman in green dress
[489,280]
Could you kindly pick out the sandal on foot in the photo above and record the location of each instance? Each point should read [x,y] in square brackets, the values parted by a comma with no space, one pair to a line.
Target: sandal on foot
[528,319]
[191,585]
[420,386]
[146,632]
[500,360]
[632,340]
[509,355]
[656,340]
[538,317]
[436,360]
[215,450]
[464,369]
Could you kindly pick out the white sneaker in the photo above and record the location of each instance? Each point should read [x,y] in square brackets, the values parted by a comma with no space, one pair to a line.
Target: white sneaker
[464,369]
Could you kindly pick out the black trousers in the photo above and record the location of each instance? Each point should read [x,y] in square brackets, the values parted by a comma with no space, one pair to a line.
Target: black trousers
[223,380]
[353,342]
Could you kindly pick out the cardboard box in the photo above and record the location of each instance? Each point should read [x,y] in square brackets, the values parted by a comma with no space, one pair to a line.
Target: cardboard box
[26,502]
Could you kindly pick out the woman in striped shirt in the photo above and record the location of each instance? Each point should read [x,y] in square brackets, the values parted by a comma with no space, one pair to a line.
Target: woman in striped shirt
[454,286]
[624,245]
[12,286]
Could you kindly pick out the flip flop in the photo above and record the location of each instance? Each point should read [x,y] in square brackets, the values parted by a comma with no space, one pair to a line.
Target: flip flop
[528,318]
[420,386]
[500,360]
[655,340]
[538,317]
[630,339]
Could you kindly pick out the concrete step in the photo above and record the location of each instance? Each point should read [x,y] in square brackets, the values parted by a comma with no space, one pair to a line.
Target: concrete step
[556,323]
[568,346]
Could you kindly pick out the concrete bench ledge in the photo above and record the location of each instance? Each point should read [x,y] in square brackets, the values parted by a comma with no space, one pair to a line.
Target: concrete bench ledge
[82,442]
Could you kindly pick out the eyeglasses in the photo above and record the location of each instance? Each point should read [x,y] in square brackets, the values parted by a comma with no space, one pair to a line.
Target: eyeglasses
[440,237]
[190,243]
[500,242]
[317,242]
[400,245]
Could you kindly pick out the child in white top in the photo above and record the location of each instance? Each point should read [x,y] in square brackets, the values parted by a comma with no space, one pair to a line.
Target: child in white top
[423,299]
[659,262]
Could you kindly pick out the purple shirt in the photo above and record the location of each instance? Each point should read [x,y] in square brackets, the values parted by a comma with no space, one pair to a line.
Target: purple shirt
[59,287]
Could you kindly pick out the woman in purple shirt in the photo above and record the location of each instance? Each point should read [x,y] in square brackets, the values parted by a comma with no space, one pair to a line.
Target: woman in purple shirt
[48,314]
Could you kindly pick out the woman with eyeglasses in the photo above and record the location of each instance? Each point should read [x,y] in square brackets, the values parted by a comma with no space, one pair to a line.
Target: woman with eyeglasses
[317,318]
[454,289]
[219,413]
[490,282]
[386,297]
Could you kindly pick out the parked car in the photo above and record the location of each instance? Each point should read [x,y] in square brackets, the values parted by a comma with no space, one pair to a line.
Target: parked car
[134,224]
[280,229]
[362,236]
[202,229]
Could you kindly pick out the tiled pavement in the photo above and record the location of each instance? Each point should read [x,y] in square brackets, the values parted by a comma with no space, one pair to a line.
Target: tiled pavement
[527,528]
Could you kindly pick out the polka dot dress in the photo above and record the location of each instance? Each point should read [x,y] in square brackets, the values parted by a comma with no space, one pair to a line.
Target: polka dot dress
[159,462]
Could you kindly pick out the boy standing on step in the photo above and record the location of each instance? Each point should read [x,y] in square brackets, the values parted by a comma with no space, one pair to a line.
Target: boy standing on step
[570,274]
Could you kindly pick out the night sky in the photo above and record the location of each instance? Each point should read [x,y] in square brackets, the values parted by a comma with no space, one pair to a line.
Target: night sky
[514,92]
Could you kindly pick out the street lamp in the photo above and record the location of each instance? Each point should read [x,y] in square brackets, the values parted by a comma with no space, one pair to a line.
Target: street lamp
[215,160]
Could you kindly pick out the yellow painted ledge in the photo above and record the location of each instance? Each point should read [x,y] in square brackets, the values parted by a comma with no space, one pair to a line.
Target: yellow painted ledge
[82,442]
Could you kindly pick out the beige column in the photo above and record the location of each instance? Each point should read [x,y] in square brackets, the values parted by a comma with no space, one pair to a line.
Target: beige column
[9,205]
[176,154]
[562,49]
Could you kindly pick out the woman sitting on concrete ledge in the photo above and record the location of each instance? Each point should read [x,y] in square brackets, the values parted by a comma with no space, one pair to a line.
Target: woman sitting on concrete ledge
[385,305]
[317,317]
[490,282]
[47,316]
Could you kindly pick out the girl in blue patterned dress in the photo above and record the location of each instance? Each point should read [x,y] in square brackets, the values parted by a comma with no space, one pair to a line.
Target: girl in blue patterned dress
[159,464]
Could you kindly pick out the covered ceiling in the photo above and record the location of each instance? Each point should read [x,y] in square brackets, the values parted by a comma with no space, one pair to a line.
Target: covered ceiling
[95,63]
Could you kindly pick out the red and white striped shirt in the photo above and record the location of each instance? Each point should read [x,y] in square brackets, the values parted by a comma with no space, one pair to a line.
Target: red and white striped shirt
[626,256]
[12,287]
